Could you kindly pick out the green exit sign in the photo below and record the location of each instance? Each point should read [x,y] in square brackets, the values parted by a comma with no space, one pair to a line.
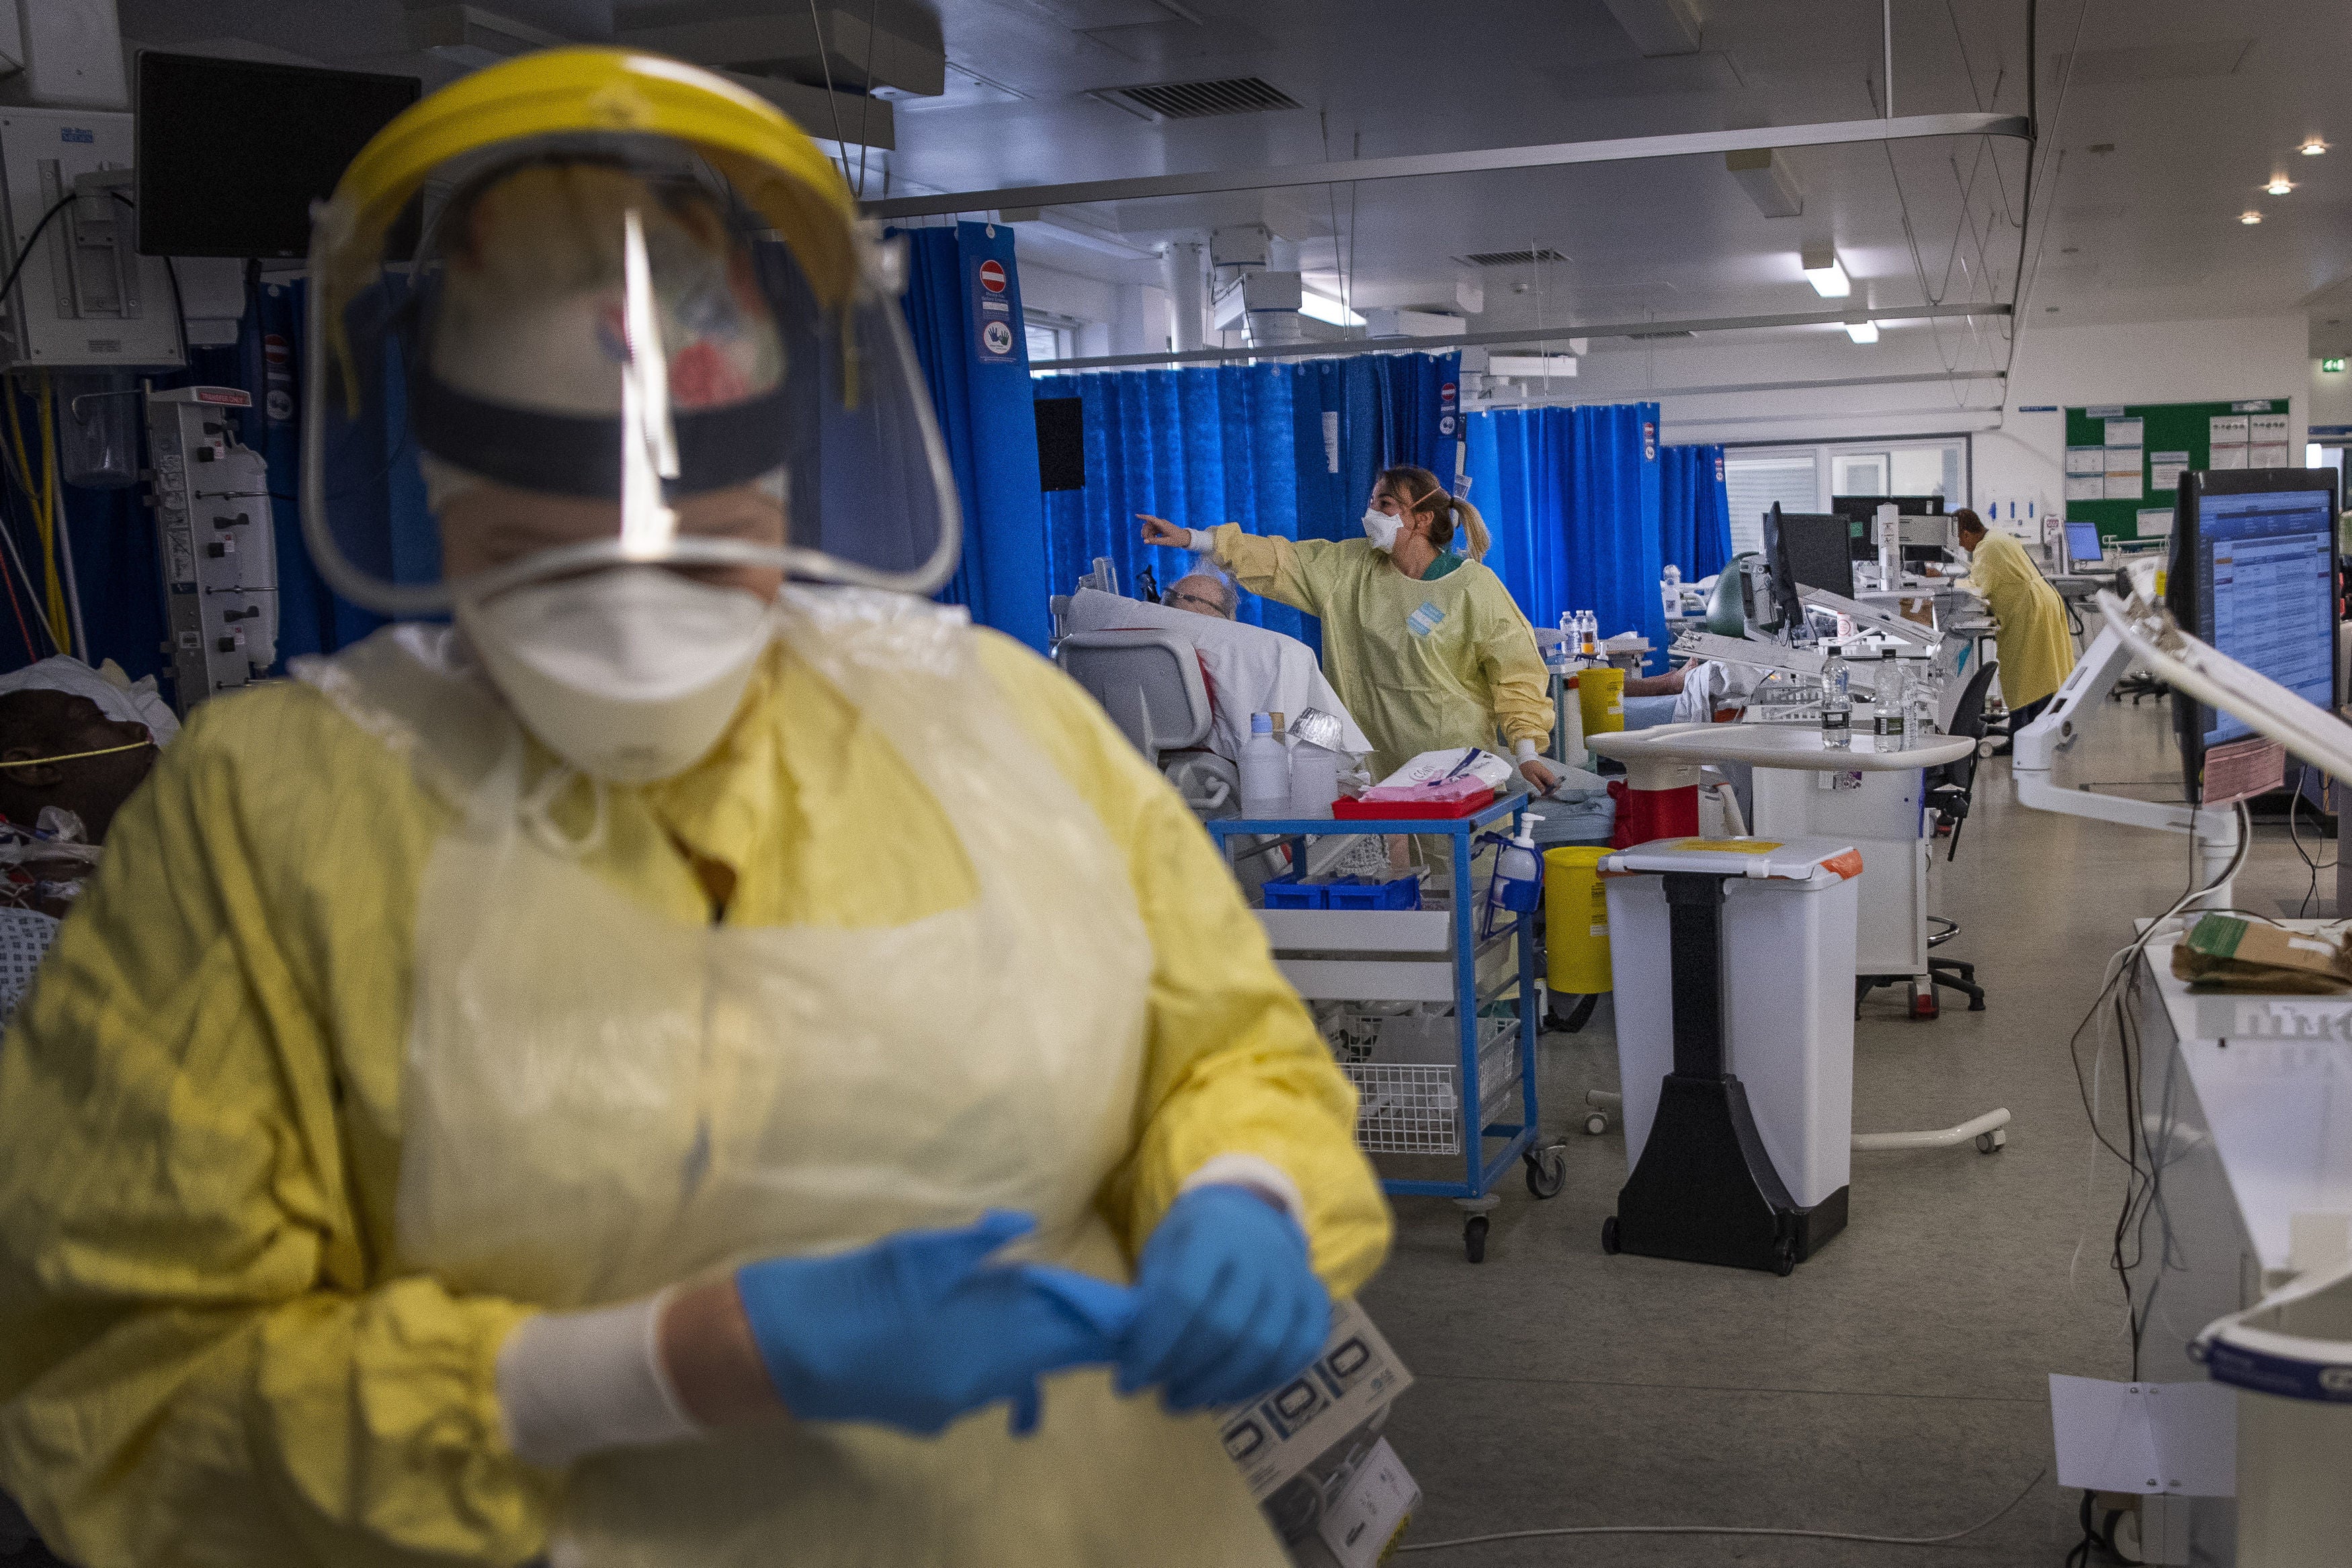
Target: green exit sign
[2331,364]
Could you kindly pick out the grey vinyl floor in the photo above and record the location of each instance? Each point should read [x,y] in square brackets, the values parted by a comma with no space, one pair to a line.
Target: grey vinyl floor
[1895,1385]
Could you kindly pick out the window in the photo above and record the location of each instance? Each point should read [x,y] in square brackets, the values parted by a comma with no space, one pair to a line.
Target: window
[1050,338]
[1753,480]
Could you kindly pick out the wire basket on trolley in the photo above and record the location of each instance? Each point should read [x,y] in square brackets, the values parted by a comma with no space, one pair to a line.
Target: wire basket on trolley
[1415,1107]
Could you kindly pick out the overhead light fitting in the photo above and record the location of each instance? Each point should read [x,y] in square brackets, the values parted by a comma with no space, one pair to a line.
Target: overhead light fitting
[1323,308]
[1528,367]
[2280,185]
[1823,271]
[1862,331]
[2313,147]
[2249,217]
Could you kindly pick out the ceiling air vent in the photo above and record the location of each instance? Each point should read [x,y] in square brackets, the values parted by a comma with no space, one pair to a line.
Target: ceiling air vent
[1654,336]
[1513,257]
[1202,100]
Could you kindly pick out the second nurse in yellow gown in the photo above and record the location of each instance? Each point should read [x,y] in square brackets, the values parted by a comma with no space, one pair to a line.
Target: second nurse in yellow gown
[1420,640]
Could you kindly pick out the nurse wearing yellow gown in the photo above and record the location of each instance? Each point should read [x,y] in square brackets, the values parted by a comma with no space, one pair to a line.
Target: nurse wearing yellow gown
[561,1084]
[1420,640]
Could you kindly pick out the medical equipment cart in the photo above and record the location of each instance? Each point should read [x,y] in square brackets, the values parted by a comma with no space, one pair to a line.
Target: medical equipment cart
[1425,955]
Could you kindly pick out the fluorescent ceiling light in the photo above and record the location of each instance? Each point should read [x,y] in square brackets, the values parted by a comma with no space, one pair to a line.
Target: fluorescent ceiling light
[1862,331]
[1323,308]
[1823,271]
[2249,217]
[2280,185]
[2313,147]
[1530,365]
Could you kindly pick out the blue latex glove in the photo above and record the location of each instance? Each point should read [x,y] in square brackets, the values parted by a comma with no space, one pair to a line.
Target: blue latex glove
[1226,1305]
[916,1331]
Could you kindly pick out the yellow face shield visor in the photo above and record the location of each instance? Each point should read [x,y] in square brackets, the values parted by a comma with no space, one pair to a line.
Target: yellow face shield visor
[618,310]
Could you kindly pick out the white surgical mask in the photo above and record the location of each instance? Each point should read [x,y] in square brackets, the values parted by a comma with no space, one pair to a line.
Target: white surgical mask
[1381,528]
[631,674]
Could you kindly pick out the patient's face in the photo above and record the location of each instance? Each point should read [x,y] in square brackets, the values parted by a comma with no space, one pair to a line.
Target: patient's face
[1200,595]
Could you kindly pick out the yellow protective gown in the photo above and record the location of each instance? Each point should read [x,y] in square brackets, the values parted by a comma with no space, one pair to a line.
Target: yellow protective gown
[2037,652]
[1422,664]
[216,1347]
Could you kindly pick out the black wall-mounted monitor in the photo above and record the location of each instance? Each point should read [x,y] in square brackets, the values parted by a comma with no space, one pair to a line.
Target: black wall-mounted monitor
[231,153]
[2253,572]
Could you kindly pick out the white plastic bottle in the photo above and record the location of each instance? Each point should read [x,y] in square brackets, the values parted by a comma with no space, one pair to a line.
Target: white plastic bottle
[1266,770]
[1314,779]
[1517,883]
[1670,588]
[1923,704]
[1589,633]
[1837,707]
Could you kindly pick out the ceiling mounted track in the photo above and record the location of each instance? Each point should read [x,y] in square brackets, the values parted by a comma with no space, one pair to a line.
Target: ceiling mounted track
[1688,144]
[1560,333]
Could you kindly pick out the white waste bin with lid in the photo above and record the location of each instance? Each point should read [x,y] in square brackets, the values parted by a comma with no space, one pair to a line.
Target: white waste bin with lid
[1733,966]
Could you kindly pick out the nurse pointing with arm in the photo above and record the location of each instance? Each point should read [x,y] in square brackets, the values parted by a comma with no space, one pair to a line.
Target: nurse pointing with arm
[1420,640]
[494,1103]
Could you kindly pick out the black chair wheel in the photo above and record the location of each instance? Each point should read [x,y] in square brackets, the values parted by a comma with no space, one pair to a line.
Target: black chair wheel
[1609,1242]
[1547,1172]
[1473,1239]
[1784,1256]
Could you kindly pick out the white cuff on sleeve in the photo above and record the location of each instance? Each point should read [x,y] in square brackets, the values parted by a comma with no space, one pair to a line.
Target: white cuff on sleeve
[1201,541]
[572,1384]
[1525,750]
[1260,1176]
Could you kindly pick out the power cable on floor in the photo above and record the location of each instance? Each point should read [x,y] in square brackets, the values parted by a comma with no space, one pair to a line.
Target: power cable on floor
[1984,1524]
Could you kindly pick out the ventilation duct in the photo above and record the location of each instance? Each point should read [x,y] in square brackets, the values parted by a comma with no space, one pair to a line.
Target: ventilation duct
[1200,100]
[1511,257]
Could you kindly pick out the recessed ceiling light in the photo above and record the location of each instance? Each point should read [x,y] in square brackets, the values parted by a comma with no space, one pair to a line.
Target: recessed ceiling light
[1862,331]
[2070,250]
[2280,185]
[2249,217]
[2053,309]
[2101,147]
[2313,147]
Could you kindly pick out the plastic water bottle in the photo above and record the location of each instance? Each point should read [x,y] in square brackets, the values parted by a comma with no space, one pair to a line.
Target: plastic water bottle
[1314,779]
[1837,707]
[1266,770]
[1588,625]
[1670,588]
[1923,702]
[1886,707]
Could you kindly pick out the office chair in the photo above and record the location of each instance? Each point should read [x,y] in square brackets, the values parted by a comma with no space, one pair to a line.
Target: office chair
[1950,790]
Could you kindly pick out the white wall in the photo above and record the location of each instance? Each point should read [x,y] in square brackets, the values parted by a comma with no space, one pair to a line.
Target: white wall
[2331,397]
[2172,361]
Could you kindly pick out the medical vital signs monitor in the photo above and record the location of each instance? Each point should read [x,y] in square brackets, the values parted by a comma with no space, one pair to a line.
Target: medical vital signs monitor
[2253,572]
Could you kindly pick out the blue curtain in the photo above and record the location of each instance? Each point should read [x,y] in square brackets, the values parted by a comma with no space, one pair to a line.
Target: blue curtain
[983,399]
[1694,512]
[113,531]
[1199,447]
[1287,449]
[1572,497]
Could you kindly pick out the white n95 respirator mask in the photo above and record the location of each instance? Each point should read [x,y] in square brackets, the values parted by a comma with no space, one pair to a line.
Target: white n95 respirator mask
[1381,528]
[631,674]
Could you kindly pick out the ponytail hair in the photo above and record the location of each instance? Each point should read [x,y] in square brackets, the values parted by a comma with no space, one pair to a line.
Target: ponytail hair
[1417,490]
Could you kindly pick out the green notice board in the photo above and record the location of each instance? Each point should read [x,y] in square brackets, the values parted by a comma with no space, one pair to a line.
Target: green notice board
[2172,437]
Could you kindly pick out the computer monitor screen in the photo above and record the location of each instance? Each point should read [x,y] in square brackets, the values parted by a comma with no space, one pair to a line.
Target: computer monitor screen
[2083,546]
[231,153]
[1789,609]
[2254,575]
[1860,511]
[1817,552]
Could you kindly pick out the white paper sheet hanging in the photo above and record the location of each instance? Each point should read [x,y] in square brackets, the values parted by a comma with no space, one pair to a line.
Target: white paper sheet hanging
[2269,455]
[2229,457]
[2155,522]
[2087,460]
[2264,427]
[2124,432]
[2228,430]
[2164,469]
[2122,487]
[2087,486]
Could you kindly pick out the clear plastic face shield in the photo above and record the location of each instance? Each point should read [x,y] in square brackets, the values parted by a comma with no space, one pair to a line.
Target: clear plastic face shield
[601,353]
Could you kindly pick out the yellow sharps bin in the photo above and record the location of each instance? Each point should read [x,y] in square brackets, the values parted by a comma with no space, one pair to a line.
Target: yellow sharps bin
[1603,693]
[1575,922]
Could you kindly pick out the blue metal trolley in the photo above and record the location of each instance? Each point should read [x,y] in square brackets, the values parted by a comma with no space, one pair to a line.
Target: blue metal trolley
[1425,955]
